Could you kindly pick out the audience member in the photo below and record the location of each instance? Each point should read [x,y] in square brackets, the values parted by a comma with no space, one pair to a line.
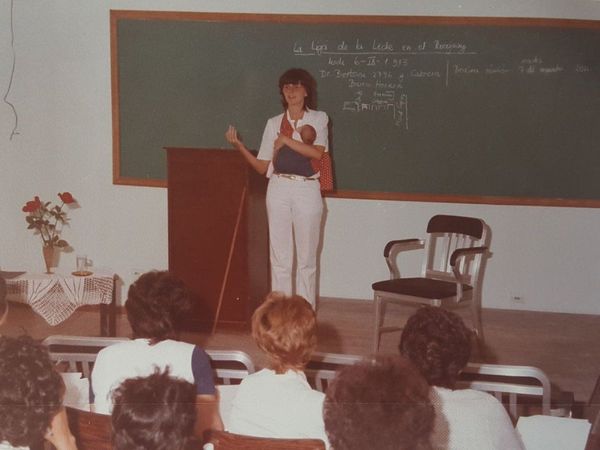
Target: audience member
[439,344]
[155,303]
[30,397]
[157,412]
[3,301]
[382,404]
[278,401]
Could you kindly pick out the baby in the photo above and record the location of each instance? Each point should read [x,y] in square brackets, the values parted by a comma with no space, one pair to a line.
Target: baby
[289,161]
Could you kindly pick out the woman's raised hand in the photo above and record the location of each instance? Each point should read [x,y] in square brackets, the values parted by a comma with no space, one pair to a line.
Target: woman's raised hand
[232,137]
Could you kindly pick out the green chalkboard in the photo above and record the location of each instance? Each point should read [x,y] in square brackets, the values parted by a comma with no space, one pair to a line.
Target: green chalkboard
[445,109]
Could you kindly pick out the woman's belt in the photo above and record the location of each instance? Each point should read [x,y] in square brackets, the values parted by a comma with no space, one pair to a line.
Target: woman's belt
[290,176]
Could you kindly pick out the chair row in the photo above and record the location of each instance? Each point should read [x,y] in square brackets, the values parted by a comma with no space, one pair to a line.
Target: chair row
[523,390]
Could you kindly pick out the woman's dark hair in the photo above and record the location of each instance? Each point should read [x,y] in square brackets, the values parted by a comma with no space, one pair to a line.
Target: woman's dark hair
[382,404]
[155,303]
[438,343]
[155,412]
[30,391]
[299,76]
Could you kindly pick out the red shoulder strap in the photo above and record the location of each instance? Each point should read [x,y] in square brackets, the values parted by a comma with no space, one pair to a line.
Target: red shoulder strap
[286,127]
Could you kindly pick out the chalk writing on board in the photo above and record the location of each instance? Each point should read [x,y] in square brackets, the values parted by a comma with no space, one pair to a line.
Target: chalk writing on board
[378,73]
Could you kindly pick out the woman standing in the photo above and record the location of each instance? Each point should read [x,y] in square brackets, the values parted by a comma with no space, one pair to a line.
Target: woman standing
[294,203]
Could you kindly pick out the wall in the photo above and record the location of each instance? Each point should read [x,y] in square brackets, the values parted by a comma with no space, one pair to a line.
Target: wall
[60,89]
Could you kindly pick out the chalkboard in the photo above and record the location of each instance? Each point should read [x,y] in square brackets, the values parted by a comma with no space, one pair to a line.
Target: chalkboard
[475,110]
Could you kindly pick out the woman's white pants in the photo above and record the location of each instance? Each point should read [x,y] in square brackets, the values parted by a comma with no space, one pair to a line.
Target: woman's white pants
[294,209]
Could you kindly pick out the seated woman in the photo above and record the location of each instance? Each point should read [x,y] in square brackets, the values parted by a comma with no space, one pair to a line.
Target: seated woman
[382,404]
[439,344]
[156,412]
[31,394]
[278,401]
[154,304]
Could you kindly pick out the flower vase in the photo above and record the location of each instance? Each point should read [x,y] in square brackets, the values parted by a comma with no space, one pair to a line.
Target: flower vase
[48,258]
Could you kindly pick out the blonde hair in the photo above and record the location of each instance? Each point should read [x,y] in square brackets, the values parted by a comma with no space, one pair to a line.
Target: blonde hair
[285,328]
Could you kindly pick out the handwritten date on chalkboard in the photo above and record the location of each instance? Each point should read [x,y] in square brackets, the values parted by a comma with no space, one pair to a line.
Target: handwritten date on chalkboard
[378,74]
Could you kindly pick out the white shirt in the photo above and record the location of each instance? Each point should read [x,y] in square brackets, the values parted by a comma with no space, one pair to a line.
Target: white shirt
[4,445]
[278,406]
[137,358]
[467,419]
[317,119]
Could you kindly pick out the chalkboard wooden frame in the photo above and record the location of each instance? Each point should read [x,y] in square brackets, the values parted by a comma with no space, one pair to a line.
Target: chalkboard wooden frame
[117,15]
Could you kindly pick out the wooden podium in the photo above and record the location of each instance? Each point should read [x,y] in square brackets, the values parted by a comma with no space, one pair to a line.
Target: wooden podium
[218,235]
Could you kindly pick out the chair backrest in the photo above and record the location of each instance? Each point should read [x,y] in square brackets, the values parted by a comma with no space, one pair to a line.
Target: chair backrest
[230,365]
[78,353]
[322,367]
[92,431]
[446,234]
[222,440]
[513,386]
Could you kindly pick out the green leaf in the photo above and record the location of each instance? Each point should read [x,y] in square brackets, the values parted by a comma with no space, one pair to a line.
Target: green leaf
[62,243]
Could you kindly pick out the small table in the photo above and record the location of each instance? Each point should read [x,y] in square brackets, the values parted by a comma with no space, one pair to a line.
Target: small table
[56,296]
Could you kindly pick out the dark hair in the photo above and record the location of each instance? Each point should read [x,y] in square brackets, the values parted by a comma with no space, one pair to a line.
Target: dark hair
[299,76]
[308,134]
[155,303]
[382,404]
[285,328]
[3,301]
[30,391]
[438,343]
[155,412]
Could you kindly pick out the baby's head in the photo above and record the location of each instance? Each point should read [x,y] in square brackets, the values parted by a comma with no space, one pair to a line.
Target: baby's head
[308,134]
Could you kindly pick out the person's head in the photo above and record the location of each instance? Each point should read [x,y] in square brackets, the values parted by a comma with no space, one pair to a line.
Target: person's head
[308,134]
[285,328]
[3,301]
[31,391]
[155,302]
[154,412]
[438,343]
[301,82]
[381,404]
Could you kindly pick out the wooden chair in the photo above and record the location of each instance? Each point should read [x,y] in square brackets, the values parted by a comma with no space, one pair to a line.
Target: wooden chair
[222,440]
[92,431]
[455,254]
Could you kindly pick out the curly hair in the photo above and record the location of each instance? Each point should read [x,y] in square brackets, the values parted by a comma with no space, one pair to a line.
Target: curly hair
[30,390]
[381,404]
[438,343]
[285,328]
[155,303]
[299,76]
[155,412]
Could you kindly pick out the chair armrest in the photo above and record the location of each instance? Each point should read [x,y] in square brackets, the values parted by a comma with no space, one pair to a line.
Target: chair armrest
[461,252]
[392,248]
[408,244]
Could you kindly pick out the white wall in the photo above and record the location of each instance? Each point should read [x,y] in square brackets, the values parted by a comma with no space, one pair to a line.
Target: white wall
[61,92]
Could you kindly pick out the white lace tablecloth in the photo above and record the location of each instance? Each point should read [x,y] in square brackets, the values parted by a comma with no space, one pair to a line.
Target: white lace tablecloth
[56,296]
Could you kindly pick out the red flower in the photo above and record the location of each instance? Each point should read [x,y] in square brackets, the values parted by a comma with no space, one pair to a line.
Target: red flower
[33,205]
[66,197]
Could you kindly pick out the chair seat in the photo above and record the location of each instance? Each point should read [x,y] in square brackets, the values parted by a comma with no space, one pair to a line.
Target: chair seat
[419,287]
